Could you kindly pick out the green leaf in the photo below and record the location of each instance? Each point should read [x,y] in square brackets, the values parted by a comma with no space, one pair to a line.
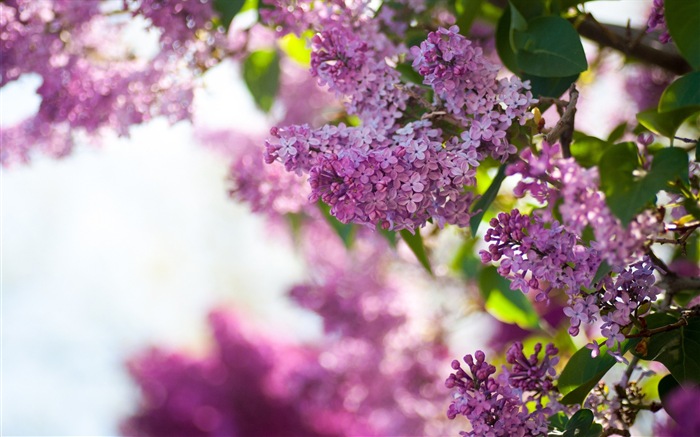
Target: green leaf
[587,150]
[466,261]
[583,372]
[678,350]
[617,133]
[530,9]
[517,22]
[415,243]
[506,305]
[550,47]
[408,74]
[581,425]
[503,47]
[558,421]
[297,48]
[485,201]
[665,124]
[683,21]
[603,269]
[684,92]
[261,73]
[549,86]
[227,10]
[466,12]
[625,195]
[346,232]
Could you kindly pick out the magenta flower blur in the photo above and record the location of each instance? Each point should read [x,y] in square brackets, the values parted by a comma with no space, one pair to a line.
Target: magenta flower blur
[683,405]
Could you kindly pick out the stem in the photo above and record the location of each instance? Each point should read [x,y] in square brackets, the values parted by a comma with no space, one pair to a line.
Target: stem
[564,129]
[630,368]
[614,431]
[649,332]
[644,48]
[661,266]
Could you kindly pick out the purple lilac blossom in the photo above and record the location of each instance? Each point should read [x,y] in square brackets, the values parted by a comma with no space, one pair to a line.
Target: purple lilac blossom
[623,297]
[496,406]
[657,21]
[563,183]
[230,392]
[398,181]
[645,86]
[538,258]
[89,81]
[465,81]
[381,173]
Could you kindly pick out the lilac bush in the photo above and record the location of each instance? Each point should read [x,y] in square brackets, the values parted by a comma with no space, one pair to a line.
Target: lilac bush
[441,131]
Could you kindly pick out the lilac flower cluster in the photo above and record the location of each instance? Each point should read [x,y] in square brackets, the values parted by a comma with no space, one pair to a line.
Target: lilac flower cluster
[222,394]
[177,21]
[532,375]
[465,81]
[563,183]
[497,406]
[398,181]
[623,298]
[535,257]
[398,176]
[657,21]
[90,82]
[341,59]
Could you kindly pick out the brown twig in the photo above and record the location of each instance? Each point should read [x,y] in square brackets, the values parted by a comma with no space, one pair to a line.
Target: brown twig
[614,431]
[644,48]
[564,129]
[649,332]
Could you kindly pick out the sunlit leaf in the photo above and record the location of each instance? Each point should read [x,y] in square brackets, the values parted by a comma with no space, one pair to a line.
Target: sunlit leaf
[261,73]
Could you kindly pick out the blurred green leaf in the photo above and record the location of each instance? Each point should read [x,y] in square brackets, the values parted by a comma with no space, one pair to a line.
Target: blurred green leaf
[485,201]
[665,124]
[683,93]
[683,22]
[466,12]
[297,48]
[550,47]
[506,305]
[587,150]
[415,243]
[227,10]
[261,73]
[617,133]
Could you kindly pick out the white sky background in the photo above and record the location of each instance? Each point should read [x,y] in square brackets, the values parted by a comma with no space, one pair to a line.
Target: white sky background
[118,247]
[126,245]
